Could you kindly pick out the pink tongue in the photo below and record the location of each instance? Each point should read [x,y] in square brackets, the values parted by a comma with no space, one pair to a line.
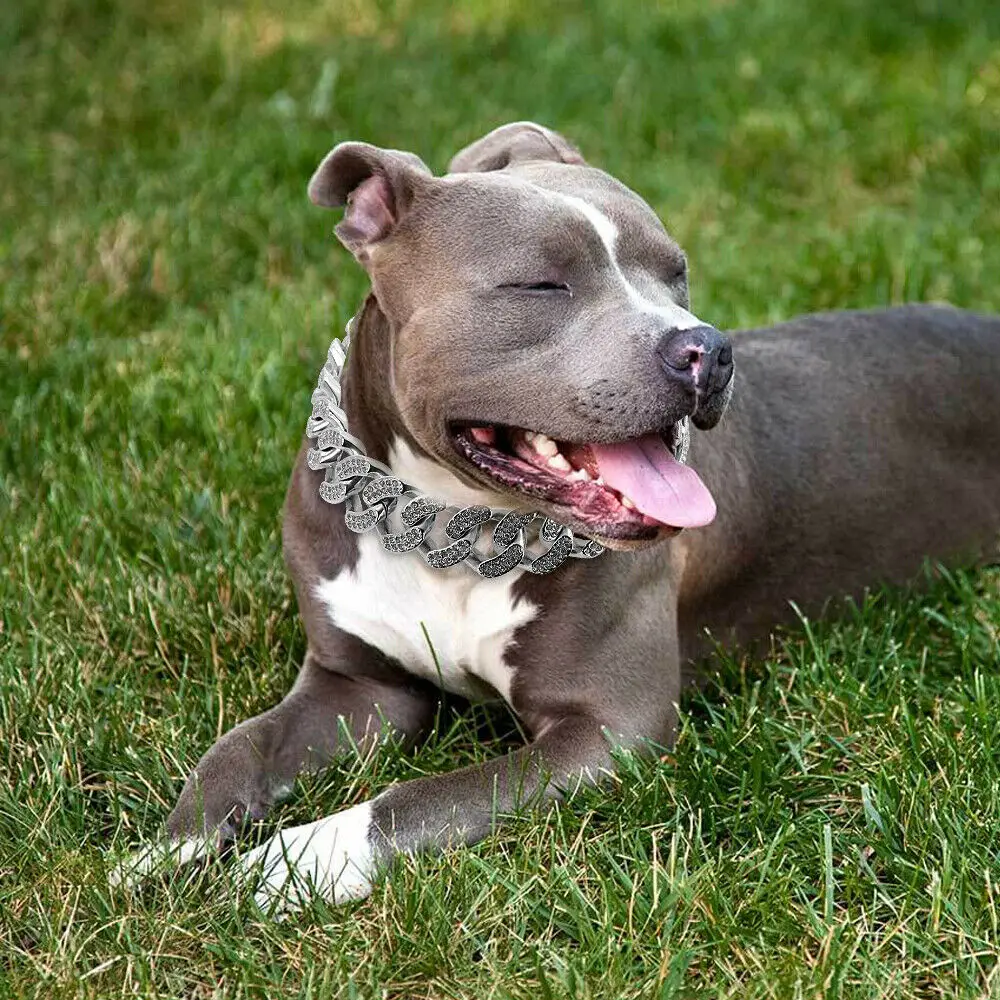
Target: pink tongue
[647,473]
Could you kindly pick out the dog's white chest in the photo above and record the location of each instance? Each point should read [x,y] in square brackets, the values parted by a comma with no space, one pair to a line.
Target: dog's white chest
[450,627]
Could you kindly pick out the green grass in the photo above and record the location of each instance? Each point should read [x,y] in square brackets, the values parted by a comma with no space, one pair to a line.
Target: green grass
[827,824]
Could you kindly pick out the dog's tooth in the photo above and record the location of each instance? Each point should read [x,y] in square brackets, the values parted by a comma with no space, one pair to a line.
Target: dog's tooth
[600,481]
[580,476]
[530,435]
[627,503]
[559,462]
[545,446]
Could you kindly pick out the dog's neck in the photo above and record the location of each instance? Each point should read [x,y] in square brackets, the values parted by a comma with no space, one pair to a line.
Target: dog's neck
[366,383]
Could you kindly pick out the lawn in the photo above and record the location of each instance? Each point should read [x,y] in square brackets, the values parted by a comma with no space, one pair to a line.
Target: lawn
[827,824]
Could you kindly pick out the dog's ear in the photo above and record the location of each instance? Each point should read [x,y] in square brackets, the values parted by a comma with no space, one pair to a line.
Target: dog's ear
[377,186]
[514,143]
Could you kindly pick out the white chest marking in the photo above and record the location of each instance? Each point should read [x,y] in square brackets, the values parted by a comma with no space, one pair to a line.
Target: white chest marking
[389,600]
[677,316]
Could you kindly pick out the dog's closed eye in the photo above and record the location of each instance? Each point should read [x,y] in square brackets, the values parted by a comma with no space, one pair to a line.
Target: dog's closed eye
[675,270]
[538,286]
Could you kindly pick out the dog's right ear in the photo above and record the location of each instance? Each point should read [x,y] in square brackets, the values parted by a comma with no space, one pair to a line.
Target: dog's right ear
[377,186]
[514,143]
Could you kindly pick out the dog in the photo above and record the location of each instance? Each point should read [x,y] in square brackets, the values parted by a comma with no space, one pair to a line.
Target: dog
[528,344]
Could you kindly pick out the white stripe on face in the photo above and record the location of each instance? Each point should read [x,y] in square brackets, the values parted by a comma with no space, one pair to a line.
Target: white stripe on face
[676,316]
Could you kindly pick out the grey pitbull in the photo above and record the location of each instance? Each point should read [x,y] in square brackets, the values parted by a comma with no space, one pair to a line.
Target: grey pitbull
[528,344]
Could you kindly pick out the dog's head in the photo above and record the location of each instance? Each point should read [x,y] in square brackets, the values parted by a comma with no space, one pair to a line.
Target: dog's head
[541,342]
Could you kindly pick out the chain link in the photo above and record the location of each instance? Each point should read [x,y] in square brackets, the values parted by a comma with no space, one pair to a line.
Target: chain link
[375,498]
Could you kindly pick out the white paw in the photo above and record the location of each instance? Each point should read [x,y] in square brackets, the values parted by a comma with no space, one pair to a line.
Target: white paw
[131,871]
[331,858]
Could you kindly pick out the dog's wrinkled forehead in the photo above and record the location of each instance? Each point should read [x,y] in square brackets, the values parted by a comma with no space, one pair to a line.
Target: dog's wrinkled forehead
[581,202]
[541,159]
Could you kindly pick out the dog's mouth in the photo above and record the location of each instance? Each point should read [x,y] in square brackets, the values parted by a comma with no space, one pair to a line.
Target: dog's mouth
[626,490]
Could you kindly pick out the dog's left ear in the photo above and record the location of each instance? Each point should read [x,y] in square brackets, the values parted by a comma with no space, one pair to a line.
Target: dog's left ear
[377,186]
[515,143]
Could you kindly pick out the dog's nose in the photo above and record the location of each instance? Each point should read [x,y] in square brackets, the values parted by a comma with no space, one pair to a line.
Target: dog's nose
[699,362]
[697,353]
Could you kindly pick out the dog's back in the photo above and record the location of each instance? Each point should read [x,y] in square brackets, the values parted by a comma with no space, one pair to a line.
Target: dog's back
[886,428]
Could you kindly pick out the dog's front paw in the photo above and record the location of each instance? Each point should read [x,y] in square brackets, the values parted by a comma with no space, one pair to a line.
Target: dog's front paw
[159,857]
[333,858]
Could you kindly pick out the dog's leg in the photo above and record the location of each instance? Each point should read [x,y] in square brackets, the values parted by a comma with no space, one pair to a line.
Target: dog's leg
[257,761]
[339,856]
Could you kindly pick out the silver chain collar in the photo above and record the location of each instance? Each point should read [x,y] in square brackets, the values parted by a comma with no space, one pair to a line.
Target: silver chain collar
[377,498]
